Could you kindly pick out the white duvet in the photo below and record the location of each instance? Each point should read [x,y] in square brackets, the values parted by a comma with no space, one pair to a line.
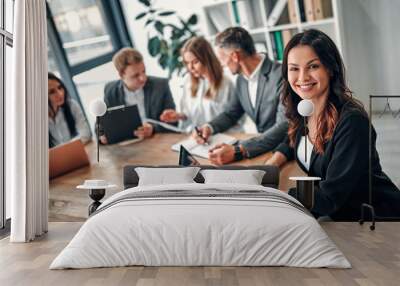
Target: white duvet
[183,231]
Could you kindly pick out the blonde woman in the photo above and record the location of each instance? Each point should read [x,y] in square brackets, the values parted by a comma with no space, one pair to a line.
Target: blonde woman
[206,90]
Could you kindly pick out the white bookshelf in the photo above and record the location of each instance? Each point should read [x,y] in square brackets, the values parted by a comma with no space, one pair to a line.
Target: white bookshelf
[255,16]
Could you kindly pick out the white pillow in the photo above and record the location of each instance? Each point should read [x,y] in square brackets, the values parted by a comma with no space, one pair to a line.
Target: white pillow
[248,177]
[163,176]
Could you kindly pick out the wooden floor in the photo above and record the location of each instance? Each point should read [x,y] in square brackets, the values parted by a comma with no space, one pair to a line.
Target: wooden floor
[374,255]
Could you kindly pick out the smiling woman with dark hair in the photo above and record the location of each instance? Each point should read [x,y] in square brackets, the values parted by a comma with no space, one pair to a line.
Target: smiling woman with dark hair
[66,119]
[338,132]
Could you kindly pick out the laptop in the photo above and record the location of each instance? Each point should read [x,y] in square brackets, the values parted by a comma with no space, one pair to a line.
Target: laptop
[187,159]
[120,122]
[67,157]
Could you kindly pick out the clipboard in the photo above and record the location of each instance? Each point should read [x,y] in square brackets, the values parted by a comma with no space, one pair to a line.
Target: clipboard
[120,122]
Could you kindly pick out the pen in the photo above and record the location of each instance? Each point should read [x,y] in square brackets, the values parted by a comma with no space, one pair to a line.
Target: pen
[200,135]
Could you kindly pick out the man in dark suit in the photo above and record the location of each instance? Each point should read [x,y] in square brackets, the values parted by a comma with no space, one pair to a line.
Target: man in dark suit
[258,89]
[151,94]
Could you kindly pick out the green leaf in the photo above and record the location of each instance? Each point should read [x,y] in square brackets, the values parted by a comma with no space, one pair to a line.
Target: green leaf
[176,47]
[159,27]
[154,46]
[183,23]
[177,34]
[166,13]
[163,61]
[192,20]
[149,21]
[173,65]
[141,15]
[177,51]
[145,2]
[164,46]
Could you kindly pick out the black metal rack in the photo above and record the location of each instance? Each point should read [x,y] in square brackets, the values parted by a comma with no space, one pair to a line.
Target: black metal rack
[370,206]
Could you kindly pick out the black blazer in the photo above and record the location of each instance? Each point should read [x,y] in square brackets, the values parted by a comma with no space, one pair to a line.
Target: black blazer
[157,97]
[344,169]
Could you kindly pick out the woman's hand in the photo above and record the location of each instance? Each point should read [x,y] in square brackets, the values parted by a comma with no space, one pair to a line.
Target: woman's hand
[171,116]
[144,131]
[277,159]
[103,140]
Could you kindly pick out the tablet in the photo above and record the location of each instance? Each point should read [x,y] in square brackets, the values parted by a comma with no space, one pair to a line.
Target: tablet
[186,159]
[120,122]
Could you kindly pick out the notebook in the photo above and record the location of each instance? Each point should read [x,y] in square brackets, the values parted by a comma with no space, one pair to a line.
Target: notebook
[67,157]
[202,150]
[120,122]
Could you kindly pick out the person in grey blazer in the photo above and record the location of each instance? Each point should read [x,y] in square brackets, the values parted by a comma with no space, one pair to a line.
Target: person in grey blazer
[258,90]
[151,94]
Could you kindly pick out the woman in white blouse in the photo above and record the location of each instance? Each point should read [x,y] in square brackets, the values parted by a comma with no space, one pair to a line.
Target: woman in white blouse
[206,90]
[66,119]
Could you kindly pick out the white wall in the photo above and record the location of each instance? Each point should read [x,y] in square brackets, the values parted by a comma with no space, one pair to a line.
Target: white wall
[371,46]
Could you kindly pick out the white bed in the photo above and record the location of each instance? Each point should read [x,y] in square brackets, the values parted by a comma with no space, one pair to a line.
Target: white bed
[201,224]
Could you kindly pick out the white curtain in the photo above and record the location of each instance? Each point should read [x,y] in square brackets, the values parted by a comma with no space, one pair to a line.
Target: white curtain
[27,125]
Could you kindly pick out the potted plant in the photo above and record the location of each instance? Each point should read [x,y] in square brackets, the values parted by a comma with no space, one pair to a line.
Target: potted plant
[166,35]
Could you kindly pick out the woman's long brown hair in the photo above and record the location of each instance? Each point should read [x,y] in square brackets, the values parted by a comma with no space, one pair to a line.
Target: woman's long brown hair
[339,93]
[204,53]
[67,110]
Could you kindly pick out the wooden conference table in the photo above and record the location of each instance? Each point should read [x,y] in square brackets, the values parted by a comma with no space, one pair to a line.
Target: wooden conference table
[69,204]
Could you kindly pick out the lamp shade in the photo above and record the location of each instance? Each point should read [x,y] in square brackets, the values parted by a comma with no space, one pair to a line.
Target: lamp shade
[305,107]
[98,107]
